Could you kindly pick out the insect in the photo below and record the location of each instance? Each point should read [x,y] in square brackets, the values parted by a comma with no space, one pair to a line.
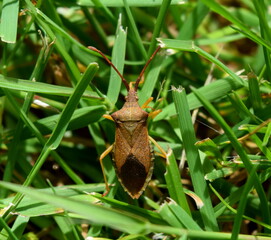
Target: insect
[132,152]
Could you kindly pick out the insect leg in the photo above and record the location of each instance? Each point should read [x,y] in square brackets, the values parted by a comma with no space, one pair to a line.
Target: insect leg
[103,155]
[108,117]
[163,153]
[152,114]
[145,105]
[133,83]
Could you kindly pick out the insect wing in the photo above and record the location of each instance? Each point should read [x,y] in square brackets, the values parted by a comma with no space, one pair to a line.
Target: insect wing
[133,160]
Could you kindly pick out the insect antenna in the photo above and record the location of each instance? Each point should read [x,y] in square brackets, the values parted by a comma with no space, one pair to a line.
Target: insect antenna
[112,65]
[144,68]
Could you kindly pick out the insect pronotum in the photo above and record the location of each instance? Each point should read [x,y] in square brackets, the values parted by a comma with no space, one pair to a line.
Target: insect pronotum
[132,152]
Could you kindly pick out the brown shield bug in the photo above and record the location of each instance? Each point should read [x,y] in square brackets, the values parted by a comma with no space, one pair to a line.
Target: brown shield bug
[132,152]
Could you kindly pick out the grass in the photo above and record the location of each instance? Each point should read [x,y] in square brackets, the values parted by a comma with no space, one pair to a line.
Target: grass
[211,79]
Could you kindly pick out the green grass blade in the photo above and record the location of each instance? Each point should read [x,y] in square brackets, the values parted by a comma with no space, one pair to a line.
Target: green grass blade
[241,207]
[132,3]
[193,158]
[227,204]
[19,225]
[169,217]
[136,37]
[184,45]
[16,141]
[60,128]
[100,4]
[67,227]
[193,21]
[265,150]
[158,25]
[9,20]
[51,27]
[59,44]
[94,22]
[261,10]
[7,229]
[240,107]
[267,135]
[213,91]
[36,132]
[151,79]
[95,213]
[218,8]
[73,101]
[118,56]
[174,185]
[118,220]
[100,146]
[241,152]
[182,216]
[81,118]
[254,90]
[38,87]
[152,216]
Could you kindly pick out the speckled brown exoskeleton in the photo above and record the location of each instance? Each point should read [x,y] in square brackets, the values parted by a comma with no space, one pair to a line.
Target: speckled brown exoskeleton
[132,151]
